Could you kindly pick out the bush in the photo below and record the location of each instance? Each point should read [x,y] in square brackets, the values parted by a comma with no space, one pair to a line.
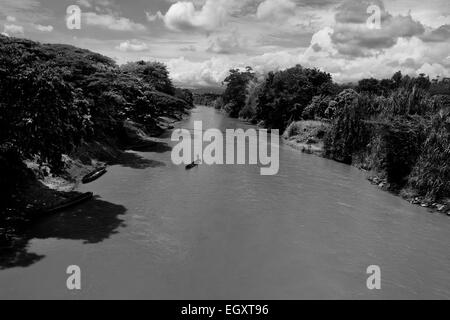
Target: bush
[401,141]
[317,108]
[407,101]
[349,132]
[306,129]
[218,104]
[431,174]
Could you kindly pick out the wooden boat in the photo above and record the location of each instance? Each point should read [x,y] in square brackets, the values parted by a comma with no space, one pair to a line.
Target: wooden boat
[69,203]
[192,165]
[94,175]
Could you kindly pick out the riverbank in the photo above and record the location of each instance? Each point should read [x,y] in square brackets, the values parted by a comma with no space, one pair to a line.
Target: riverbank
[308,137]
[43,189]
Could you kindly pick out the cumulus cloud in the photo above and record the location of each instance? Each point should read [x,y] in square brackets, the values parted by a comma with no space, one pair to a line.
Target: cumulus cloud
[12,29]
[42,28]
[358,40]
[321,42]
[11,19]
[132,45]
[207,16]
[207,73]
[351,11]
[153,17]
[275,9]
[183,15]
[112,22]
[354,38]
[434,70]
[411,55]
[224,43]
[440,34]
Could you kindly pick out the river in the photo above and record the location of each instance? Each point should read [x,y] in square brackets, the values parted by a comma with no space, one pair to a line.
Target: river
[157,231]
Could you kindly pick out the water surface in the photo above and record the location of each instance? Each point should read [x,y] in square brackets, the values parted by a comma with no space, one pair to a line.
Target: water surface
[157,231]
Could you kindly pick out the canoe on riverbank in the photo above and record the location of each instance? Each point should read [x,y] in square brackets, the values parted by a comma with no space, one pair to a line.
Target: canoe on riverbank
[68,204]
[94,175]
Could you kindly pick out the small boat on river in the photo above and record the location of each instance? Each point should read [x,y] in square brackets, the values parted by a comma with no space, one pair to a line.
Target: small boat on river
[69,203]
[193,165]
[94,175]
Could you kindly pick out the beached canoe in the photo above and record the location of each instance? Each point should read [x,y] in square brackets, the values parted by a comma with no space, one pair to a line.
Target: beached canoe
[69,203]
[94,175]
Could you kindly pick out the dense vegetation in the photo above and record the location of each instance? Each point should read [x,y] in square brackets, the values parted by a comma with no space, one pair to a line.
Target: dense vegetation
[398,127]
[55,97]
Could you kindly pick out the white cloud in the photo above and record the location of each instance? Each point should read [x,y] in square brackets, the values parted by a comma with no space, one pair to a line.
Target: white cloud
[112,22]
[224,43]
[12,29]
[43,28]
[410,55]
[321,43]
[275,9]
[11,19]
[132,45]
[206,73]
[153,17]
[212,15]
[434,70]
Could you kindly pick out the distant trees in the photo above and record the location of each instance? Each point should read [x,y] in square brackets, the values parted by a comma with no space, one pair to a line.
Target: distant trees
[386,86]
[206,99]
[276,99]
[186,95]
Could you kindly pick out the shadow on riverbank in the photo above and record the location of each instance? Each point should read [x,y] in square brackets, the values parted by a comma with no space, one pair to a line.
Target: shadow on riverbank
[135,161]
[93,222]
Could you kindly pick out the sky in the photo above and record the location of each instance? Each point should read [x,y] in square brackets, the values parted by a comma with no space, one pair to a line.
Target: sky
[200,40]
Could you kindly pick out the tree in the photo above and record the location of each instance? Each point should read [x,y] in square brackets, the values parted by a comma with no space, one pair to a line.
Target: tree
[235,93]
[287,93]
[42,115]
[317,108]
[186,95]
[370,86]
[397,79]
[154,73]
